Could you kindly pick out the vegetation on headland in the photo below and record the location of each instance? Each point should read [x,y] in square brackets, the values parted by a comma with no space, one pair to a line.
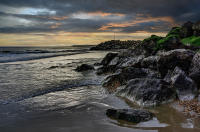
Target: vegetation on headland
[193,40]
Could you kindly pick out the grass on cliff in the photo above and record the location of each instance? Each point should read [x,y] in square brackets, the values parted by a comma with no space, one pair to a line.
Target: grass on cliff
[193,40]
[152,38]
[175,31]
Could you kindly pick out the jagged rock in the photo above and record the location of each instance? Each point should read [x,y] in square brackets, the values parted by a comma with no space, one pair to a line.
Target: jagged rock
[196,28]
[150,62]
[171,43]
[178,57]
[147,91]
[195,69]
[185,87]
[106,69]
[195,65]
[195,76]
[121,77]
[84,67]
[116,44]
[131,61]
[114,61]
[130,115]
[106,60]
[187,30]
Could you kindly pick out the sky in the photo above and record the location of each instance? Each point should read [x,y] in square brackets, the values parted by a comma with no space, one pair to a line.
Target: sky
[81,22]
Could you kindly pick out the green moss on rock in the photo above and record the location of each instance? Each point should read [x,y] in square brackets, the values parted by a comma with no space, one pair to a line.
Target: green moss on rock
[152,38]
[193,40]
[175,31]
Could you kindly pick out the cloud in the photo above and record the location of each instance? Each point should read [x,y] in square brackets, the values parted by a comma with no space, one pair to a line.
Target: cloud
[27,16]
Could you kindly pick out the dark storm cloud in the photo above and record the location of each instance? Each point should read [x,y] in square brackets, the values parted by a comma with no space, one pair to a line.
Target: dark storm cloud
[63,20]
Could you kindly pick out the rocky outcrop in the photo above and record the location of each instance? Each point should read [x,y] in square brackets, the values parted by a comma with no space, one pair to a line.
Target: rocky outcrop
[84,67]
[122,76]
[185,87]
[195,69]
[147,91]
[130,115]
[116,44]
[158,70]
[196,29]
[187,30]
[106,60]
[178,57]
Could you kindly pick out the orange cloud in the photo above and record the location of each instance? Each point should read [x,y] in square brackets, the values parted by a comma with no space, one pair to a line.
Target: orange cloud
[104,14]
[55,26]
[139,19]
[58,18]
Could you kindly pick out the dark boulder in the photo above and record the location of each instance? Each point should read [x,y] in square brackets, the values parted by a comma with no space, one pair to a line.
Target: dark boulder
[187,30]
[106,69]
[185,87]
[170,43]
[150,62]
[131,61]
[196,28]
[84,67]
[195,65]
[147,91]
[178,57]
[130,115]
[121,77]
[195,69]
[106,60]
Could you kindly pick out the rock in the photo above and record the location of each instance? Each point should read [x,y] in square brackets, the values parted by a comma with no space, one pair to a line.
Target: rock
[147,91]
[116,44]
[106,60]
[106,69]
[187,30]
[84,67]
[170,43]
[149,45]
[130,115]
[195,64]
[150,62]
[131,61]
[121,77]
[114,61]
[186,88]
[178,57]
[196,28]
[195,69]
[195,76]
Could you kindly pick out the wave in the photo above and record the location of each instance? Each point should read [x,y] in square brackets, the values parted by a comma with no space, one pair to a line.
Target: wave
[36,51]
[69,84]
[5,58]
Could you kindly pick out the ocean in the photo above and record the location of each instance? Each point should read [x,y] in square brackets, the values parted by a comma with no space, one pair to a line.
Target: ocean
[41,92]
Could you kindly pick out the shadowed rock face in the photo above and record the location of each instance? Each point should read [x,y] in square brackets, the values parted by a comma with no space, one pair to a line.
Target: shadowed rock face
[185,87]
[187,29]
[122,76]
[84,67]
[134,116]
[147,92]
[106,60]
[195,69]
[169,60]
